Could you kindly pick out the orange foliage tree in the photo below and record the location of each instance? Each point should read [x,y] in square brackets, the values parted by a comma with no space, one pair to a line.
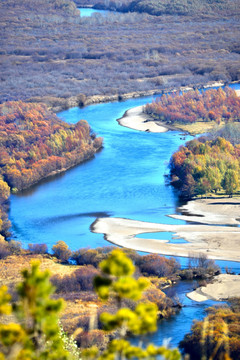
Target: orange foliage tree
[189,107]
[36,143]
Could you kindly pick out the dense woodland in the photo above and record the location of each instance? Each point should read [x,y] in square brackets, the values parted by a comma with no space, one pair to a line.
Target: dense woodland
[35,143]
[221,105]
[48,50]
[205,166]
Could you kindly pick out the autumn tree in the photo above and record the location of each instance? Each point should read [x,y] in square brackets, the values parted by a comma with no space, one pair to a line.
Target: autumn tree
[230,181]
[191,106]
[205,166]
[61,251]
[217,337]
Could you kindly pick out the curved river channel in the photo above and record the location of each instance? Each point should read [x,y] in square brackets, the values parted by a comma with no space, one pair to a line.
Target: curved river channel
[125,179]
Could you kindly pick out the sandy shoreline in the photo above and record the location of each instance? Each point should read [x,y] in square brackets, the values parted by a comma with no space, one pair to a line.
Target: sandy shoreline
[213,235]
[135,119]
[224,287]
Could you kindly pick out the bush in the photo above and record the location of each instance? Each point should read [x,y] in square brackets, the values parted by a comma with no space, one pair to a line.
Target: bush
[15,247]
[61,251]
[38,248]
[85,275]
[97,338]
[65,284]
[157,265]
[4,249]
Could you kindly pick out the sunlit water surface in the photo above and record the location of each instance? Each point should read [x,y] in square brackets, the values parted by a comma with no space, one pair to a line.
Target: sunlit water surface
[126,179]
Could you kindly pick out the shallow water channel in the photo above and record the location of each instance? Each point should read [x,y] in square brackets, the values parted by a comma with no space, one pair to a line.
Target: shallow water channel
[126,179]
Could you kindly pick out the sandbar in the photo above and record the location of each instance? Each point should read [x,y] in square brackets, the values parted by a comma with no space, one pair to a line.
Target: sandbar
[220,241]
[223,287]
[135,119]
[222,211]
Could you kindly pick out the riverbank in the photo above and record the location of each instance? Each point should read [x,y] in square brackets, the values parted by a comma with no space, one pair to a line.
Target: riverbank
[223,287]
[220,241]
[57,104]
[137,119]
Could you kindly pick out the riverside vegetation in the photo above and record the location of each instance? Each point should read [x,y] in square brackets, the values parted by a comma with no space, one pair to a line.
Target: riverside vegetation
[210,163]
[37,334]
[34,144]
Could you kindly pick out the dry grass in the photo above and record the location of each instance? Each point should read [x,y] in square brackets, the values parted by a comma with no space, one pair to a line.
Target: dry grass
[10,268]
[198,127]
[77,305]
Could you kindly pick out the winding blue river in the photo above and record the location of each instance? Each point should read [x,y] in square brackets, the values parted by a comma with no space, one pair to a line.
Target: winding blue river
[125,179]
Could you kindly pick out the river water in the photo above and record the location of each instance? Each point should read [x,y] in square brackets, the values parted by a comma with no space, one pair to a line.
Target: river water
[125,179]
[90,11]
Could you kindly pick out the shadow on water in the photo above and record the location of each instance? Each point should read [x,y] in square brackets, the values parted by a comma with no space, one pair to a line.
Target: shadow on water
[68,217]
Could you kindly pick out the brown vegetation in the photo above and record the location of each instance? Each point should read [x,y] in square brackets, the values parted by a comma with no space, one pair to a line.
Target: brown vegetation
[170,7]
[75,285]
[52,53]
[217,336]
[221,105]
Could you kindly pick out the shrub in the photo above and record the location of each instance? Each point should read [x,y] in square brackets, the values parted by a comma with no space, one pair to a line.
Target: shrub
[97,338]
[61,251]
[65,284]
[15,247]
[85,275]
[38,248]
[158,265]
[4,249]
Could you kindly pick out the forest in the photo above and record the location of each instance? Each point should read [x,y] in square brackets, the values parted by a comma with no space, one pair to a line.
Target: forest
[220,106]
[48,52]
[206,166]
[34,144]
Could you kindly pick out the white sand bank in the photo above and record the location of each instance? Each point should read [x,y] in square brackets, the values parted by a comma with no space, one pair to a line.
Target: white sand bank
[224,287]
[223,211]
[217,242]
[135,119]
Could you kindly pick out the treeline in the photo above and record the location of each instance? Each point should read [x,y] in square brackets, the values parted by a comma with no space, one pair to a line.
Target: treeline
[205,166]
[52,53]
[76,284]
[212,105]
[63,6]
[169,7]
